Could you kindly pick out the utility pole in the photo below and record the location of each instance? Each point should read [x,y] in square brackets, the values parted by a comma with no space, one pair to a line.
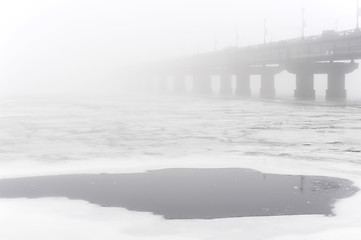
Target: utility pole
[215,42]
[358,15]
[303,23]
[264,31]
[237,36]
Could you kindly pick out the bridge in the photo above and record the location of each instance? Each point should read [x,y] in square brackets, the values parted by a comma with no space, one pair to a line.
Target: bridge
[332,53]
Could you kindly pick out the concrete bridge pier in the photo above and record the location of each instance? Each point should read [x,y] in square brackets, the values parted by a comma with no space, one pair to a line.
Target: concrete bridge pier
[226,85]
[304,71]
[202,83]
[243,84]
[305,85]
[179,84]
[268,83]
[336,89]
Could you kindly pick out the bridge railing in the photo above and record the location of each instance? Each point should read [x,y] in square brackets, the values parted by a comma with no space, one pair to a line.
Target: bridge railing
[329,46]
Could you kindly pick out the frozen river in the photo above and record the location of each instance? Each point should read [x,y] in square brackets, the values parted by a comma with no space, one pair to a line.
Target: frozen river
[54,136]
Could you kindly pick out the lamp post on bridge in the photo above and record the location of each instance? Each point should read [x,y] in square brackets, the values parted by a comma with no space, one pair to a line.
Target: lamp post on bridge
[264,31]
[358,15]
[303,23]
[237,36]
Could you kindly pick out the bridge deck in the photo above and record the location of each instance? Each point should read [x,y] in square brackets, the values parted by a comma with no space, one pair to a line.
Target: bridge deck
[330,46]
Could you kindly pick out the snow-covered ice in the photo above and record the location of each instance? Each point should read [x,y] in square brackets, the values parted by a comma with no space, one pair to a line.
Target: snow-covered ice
[49,136]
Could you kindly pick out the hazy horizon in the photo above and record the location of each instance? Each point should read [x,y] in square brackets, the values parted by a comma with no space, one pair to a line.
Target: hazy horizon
[80,46]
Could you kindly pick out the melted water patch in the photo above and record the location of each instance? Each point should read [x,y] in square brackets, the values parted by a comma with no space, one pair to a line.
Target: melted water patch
[192,193]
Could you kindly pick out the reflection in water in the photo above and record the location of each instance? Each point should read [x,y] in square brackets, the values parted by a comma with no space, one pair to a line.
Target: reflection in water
[192,193]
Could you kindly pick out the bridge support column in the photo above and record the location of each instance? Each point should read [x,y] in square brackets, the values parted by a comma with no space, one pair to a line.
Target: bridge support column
[336,78]
[336,89]
[162,84]
[305,85]
[304,79]
[268,84]
[202,84]
[226,85]
[179,84]
[243,84]
[336,86]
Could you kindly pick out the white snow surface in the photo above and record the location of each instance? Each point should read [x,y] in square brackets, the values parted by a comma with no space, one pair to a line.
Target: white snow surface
[52,136]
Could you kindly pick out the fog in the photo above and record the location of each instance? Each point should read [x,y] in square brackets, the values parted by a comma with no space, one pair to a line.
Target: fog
[94,156]
[78,46]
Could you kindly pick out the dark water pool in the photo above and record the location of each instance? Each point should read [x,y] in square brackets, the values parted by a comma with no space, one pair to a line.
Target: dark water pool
[192,193]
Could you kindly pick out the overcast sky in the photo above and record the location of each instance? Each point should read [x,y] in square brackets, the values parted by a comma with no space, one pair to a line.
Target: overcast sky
[76,44]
